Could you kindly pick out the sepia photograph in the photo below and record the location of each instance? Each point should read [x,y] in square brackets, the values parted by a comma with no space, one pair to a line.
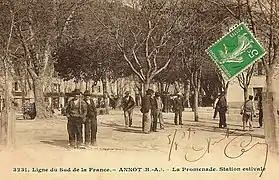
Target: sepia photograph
[139,89]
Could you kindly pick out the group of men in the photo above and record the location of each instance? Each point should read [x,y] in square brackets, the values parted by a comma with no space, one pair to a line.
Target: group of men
[81,110]
[152,110]
[247,111]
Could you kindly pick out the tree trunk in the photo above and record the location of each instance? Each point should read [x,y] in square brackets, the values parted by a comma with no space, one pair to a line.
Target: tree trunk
[196,86]
[7,128]
[270,114]
[40,106]
[146,86]
[187,93]
[245,93]
[196,104]
[105,94]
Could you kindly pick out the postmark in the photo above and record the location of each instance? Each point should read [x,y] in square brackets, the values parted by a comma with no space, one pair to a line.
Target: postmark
[235,51]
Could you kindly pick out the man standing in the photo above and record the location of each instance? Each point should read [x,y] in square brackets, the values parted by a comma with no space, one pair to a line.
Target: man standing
[157,107]
[222,109]
[137,98]
[76,113]
[214,106]
[145,109]
[178,107]
[91,121]
[128,105]
[247,112]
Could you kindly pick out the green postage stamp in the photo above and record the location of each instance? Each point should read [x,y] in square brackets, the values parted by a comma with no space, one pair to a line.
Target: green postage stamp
[236,51]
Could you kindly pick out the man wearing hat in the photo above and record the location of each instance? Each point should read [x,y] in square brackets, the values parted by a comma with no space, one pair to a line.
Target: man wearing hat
[178,107]
[76,111]
[222,107]
[145,109]
[128,105]
[157,107]
[214,106]
[91,120]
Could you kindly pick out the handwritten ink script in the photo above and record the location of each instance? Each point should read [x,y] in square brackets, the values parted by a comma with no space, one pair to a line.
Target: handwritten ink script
[244,145]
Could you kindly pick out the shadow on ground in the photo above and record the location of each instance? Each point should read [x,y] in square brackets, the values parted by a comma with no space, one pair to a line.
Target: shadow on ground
[130,130]
[121,128]
[215,129]
[58,143]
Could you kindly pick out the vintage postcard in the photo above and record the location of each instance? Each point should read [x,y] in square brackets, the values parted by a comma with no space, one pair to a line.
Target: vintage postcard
[139,89]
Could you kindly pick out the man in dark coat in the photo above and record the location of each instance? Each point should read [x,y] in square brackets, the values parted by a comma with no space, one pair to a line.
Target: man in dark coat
[145,109]
[178,107]
[222,108]
[91,121]
[76,111]
[128,105]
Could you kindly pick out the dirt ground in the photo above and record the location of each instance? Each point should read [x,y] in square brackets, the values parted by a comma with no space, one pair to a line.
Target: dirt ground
[199,150]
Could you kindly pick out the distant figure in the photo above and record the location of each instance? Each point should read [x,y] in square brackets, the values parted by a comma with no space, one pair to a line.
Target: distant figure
[178,107]
[222,109]
[111,102]
[91,121]
[166,102]
[145,109]
[29,110]
[157,107]
[247,112]
[137,99]
[260,108]
[214,106]
[128,105]
[76,113]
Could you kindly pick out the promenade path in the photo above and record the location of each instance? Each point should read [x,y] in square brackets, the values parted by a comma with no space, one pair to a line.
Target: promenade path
[42,145]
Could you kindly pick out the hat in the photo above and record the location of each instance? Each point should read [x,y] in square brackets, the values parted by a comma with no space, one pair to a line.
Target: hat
[127,92]
[86,93]
[149,91]
[76,92]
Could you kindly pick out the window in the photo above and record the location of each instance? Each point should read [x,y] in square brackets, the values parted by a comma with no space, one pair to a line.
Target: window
[93,89]
[16,86]
[99,89]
